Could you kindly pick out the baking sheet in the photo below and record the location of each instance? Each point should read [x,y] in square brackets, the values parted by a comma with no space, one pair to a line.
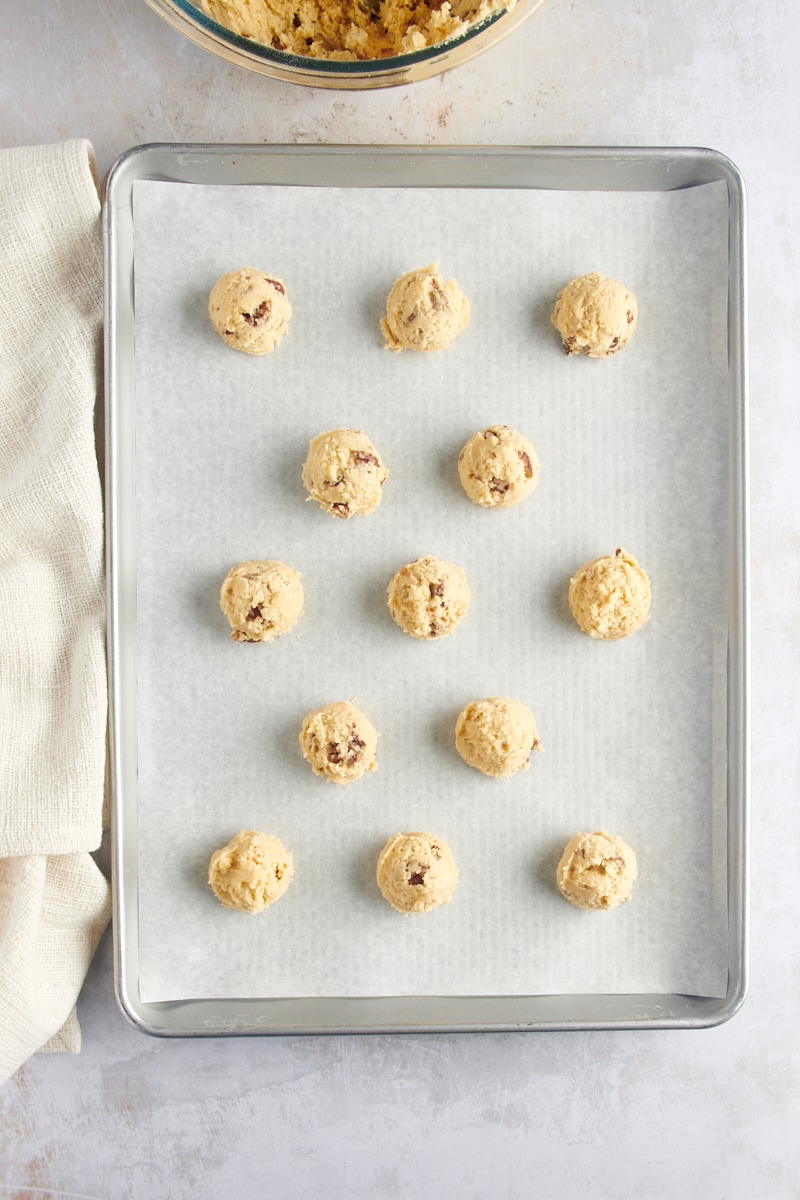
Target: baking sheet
[634,452]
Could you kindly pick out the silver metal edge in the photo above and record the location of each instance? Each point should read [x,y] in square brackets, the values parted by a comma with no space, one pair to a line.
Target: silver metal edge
[739,634]
[119,839]
[691,167]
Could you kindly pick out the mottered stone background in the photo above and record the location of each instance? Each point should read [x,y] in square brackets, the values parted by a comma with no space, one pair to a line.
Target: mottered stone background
[710,1114]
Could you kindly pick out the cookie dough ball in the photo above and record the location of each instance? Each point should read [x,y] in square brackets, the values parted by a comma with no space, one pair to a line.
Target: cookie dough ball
[424,312]
[610,596]
[261,600]
[428,598]
[496,736]
[498,467]
[250,310]
[416,872]
[251,872]
[595,315]
[344,473]
[339,742]
[597,870]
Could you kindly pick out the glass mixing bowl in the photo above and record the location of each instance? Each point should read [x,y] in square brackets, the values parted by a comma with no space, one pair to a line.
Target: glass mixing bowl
[317,72]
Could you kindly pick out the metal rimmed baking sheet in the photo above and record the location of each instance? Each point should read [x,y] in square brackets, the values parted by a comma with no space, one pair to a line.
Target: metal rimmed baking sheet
[145,456]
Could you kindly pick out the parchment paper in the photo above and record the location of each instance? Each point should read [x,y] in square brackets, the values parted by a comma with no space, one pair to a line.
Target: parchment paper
[634,453]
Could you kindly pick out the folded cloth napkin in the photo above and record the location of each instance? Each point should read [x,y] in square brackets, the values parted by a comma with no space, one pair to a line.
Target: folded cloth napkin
[54,902]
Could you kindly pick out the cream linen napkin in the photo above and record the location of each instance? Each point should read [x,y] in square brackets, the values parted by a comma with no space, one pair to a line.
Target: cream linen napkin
[54,902]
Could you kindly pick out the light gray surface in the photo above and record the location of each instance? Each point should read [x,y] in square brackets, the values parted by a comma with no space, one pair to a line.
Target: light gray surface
[702,1114]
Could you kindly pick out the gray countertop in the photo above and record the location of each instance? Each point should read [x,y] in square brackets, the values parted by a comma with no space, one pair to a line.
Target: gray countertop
[711,1114]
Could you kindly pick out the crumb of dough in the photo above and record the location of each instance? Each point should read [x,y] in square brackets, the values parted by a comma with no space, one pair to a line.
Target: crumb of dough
[261,600]
[595,315]
[497,736]
[339,742]
[416,872]
[251,872]
[250,310]
[609,597]
[344,473]
[596,871]
[498,467]
[428,597]
[424,311]
[351,29]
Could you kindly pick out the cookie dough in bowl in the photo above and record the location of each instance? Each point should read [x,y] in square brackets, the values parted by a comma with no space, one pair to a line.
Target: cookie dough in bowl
[609,597]
[416,872]
[261,599]
[427,598]
[595,315]
[498,467]
[339,742]
[596,871]
[251,872]
[344,473]
[250,310]
[424,311]
[345,30]
[497,736]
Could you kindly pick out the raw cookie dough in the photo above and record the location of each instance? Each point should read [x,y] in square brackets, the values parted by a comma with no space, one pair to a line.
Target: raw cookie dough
[344,473]
[595,315]
[261,600]
[250,310]
[339,742]
[346,29]
[428,597]
[423,312]
[416,872]
[610,597]
[496,736]
[498,467]
[251,872]
[597,870]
